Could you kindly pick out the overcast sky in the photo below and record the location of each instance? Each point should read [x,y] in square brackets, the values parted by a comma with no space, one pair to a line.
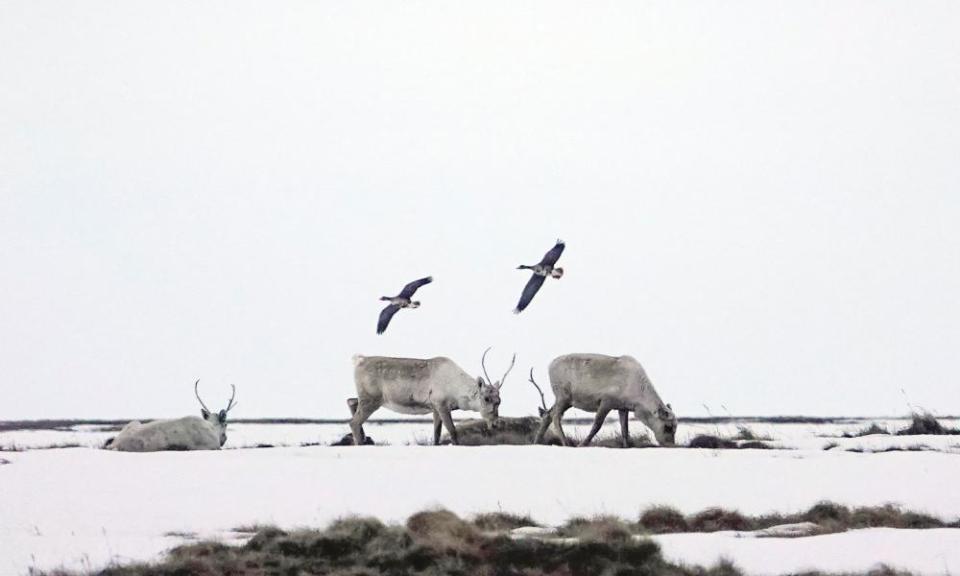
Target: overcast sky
[761,199]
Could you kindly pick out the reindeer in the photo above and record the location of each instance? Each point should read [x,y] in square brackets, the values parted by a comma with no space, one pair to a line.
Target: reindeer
[414,386]
[188,433]
[598,383]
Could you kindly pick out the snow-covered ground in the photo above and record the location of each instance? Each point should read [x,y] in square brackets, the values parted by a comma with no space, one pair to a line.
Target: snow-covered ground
[83,507]
[807,436]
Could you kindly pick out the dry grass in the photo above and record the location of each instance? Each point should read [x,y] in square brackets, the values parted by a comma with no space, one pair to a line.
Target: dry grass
[830,518]
[16,448]
[926,424]
[502,521]
[435,542]
[602,528]
[662,520]
[870,430]
[717,519]
[615,440]
[438,542]
[717,443]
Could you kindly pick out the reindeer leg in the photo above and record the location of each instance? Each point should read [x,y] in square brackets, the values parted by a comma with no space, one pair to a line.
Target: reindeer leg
[624,427]
[558,409]
[364,409]
[545,421]
[602,412]
[448,423]
[437,423]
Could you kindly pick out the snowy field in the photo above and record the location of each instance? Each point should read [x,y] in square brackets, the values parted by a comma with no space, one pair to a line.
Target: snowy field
[83,507]
[805,436]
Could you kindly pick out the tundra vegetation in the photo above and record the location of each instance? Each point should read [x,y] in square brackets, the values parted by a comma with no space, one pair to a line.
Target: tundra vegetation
[924,423]
[438,542]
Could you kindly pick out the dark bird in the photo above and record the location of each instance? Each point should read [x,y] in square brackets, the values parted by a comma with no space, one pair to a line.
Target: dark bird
[540,272]
[399,301]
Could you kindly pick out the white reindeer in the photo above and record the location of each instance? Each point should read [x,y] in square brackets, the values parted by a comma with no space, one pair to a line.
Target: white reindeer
[598,383]
[188,433]
[414,386]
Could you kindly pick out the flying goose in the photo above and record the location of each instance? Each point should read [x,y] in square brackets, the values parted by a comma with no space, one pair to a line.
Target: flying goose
[399,301]
[540,272]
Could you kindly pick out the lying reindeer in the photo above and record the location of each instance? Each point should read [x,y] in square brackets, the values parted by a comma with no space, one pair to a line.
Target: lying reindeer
[413,386]
[187,433]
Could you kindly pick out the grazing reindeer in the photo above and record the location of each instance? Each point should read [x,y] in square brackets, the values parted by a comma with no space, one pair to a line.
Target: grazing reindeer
[598,383]
[413,386]
[187,433]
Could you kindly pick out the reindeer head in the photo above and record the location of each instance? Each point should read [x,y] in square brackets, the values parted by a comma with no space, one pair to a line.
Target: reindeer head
[664,425]
[488,392]
[217,420]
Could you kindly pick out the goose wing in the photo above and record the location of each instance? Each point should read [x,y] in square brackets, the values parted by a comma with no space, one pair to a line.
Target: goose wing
[385,315]
[412,287]
[553,255]
[529,291]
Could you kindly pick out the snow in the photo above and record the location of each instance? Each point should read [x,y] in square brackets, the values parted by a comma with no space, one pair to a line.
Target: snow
[918,551]
[806,436]
[83,508]
[783,531]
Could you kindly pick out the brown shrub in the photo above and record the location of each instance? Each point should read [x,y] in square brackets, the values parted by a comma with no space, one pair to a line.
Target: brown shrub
[663,520]
[502,521]
[717,519]
[444,531]
[597,529]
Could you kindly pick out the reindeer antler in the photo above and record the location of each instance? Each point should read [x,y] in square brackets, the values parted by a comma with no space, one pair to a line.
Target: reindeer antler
[197,393]
[504,379]
[543,400]
[483,363]
[233,395]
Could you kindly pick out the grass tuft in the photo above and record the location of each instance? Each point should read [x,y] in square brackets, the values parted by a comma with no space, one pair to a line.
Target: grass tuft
[926,424]
[597,529]
[717,519]
[663,520]
[502,521]
[444,531]
[871,430]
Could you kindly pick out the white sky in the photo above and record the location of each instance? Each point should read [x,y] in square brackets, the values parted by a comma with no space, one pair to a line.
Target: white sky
[761,198]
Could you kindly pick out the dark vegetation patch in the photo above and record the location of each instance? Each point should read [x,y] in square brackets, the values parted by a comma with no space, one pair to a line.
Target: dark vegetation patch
[502,521]
[830,517]
[4,461]
[663,520]
[718,443]
[15,448]
[911,448]
[509,431]
[523,430]
[717,519]
[871,430]
[431,543]
[616,441]
[438,542]
[596,529]
[347,440]
[926,424]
